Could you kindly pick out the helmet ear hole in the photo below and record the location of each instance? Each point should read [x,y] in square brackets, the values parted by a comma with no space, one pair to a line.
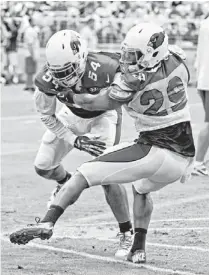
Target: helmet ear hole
[155,54]
[139,54]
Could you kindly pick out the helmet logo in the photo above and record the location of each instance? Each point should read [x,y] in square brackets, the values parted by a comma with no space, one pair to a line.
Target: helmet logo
[156,40]
[75,45]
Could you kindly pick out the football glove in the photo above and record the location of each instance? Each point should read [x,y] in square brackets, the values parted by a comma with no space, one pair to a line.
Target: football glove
[93,147]
[66,96]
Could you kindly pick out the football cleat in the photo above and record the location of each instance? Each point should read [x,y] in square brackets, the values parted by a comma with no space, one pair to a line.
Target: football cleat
[200,170]
[125,245]
[137,257]
[39,230]
[56,191]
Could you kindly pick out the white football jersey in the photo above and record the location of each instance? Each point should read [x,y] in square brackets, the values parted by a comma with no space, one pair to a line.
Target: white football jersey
[161,99]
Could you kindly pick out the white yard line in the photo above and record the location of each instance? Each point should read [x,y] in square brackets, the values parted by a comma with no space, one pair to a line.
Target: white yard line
[114,240]
[152,221]
[18,152]
[156,206]
[8,118]
[184,247]
[107,259]
[182,219]
[162,228]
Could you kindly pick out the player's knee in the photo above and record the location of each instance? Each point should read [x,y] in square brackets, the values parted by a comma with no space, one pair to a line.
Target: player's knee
[106,189]
[113,192]
[44,173]
[143,202]
[112,189]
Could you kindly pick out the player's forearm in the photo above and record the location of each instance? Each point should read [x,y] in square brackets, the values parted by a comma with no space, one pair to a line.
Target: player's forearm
[53,124]
[101,101]
[46,107]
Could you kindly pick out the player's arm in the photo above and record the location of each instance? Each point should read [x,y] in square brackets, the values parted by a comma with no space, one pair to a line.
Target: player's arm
[46,107]
[108,99]
[101,101]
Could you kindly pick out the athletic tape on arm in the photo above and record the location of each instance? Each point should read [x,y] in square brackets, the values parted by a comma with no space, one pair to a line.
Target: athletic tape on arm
[119,90]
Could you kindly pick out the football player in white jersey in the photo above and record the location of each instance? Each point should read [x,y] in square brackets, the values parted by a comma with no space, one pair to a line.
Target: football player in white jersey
[153,89]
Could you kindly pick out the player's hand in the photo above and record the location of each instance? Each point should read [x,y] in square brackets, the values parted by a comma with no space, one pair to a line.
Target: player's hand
[66,95]
[91,146]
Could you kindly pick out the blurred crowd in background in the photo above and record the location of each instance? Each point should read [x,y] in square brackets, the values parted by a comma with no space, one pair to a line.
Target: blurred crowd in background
[27,26]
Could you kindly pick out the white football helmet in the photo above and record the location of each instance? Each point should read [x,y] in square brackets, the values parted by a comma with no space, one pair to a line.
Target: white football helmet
[144,46]
[66,55]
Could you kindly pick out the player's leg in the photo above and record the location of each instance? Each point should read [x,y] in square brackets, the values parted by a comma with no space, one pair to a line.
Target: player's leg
[203,139]
[172,168]
[48,161]
[53,150]
[109,127]
[120,164]
[67,195]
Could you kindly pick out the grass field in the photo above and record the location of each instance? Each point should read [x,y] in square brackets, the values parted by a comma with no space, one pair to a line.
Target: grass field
[85,240]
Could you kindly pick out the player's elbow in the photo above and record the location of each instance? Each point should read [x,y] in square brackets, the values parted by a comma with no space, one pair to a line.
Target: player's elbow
[48,120]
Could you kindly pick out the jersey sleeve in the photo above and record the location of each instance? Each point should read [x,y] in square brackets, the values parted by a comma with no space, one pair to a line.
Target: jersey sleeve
[45,104]
[44,82]
[119,91]
[120,95]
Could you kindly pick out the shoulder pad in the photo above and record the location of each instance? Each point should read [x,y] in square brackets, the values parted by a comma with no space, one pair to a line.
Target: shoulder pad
[120,95]
[176,50]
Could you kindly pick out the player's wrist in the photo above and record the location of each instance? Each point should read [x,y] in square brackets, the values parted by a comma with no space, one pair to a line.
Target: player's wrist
[70,137]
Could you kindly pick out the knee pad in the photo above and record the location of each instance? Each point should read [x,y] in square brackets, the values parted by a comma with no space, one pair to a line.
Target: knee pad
[44,173]
[49,137]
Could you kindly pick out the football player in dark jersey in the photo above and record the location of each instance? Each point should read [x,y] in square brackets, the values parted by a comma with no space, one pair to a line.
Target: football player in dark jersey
[70,69]
[153,89]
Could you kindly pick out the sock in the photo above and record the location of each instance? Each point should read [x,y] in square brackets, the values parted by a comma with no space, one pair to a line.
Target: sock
[139,239]
[125,227]
[53,214]
[198,163]
[66,178]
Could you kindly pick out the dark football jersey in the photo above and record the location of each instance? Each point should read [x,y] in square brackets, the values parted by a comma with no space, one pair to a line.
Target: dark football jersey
[177,138]
[99,73]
